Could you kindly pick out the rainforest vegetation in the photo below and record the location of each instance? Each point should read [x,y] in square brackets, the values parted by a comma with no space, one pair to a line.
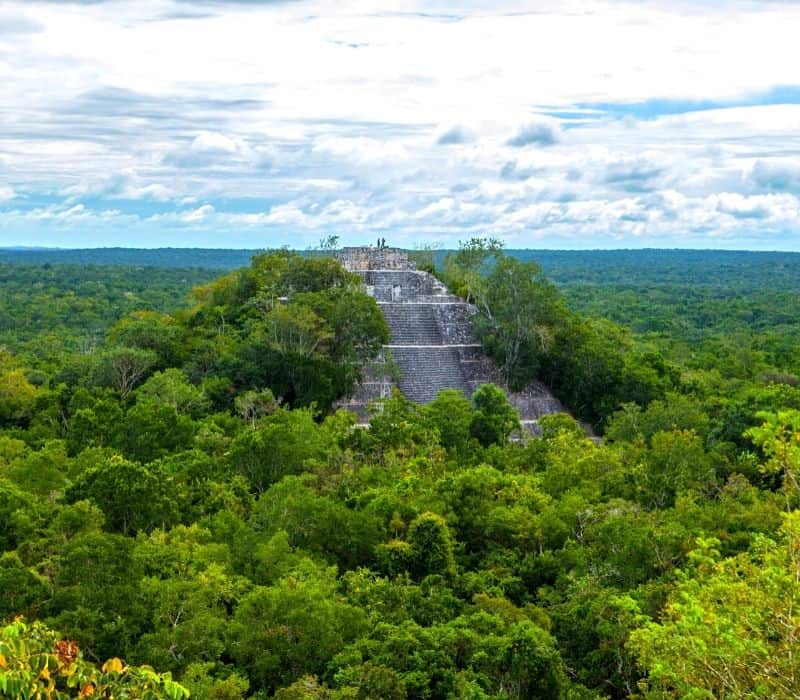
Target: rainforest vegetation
[178,492]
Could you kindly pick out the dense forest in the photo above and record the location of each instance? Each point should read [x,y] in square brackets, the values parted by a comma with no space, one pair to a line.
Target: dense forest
[177,490]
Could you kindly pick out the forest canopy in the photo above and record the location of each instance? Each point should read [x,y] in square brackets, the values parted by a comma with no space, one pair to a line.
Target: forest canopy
[178,492]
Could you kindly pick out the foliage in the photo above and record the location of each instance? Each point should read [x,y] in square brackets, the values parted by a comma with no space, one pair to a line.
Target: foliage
[36,664]
[176,488]
[495,418]
[730,626]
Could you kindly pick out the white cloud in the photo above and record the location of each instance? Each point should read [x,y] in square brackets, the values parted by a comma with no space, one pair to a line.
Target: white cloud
[776,174]
[207,148]
[454,135]
[7,193]
[122,185]
[537,133]
[770,207]
[197,215]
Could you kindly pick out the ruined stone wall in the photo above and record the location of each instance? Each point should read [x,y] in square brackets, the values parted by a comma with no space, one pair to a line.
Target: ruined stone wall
[369,258]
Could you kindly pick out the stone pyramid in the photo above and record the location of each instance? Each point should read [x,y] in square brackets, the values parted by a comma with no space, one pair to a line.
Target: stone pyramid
[433,345]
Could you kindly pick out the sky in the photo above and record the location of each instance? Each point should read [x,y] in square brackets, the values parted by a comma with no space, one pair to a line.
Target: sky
[257,123]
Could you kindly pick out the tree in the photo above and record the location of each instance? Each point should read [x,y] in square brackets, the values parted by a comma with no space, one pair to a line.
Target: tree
[148,330]
[252,405]
[206,680]
[431,546]
[779,437]
[316,523]
[43,472]
[151,430]
[36,663]
[675,462]
[729,628]
[96,426]
[293,628]
[24,591]
[395,421]
[464,269]
[283,443]
[451,413]
[17,396]
[522,315]
[123,368]
[21,513]
[495,418]
[327,244]
[132,497]
[95,592]
[172,388]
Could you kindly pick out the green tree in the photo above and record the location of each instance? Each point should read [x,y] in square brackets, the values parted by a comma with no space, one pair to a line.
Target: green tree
[36,663]
[44,471]
[464,269]
[293,628]
[495,418]
[522,317]
[24,592]
[451,413]
[17,396]
[152,430]
[148,330]
[729,626]
[252,405]
[132,497]
[123,368]
[95,597]
[431,546]
[285,442]
[172,388]
[779,438]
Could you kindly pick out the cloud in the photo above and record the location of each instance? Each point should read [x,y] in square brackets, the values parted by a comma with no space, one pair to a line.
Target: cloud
[235,2]
[264,157]
[6,193]
[512,170]
[362,149]
[633,175]
[534,134]
[17,23]
[122,185]
[454,135]
[205,149]
[760,207]
[221,3]
[197,215]
[776,176]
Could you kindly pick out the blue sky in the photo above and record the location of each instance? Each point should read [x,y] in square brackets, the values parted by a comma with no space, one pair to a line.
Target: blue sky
[569,124]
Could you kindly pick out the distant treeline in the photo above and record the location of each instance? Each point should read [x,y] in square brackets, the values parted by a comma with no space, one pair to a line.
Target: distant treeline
[704,267]
[208,258]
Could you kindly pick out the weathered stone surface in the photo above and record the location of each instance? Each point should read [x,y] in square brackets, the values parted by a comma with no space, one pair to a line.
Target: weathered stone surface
[369,258]
[433,345]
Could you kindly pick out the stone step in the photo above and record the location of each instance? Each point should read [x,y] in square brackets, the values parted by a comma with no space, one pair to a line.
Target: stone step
[401,285]
[425,371]
[412,324]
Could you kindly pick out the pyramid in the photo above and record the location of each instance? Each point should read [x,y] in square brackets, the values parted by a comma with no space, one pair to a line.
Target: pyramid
[433,344]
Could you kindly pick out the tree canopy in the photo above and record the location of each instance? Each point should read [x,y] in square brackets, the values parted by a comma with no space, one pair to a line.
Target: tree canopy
[178,492]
